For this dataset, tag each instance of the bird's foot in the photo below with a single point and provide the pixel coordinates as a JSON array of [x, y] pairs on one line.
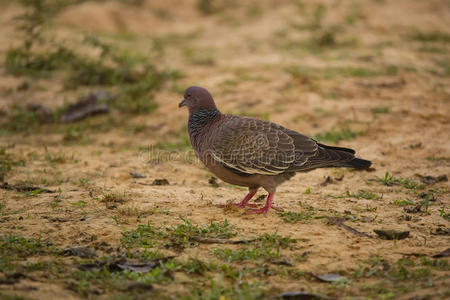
[[262, 210], [244, 201], [266, 207], [244, 204]]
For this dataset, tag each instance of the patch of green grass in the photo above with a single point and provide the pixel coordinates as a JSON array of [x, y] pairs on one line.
[[114, 198], [75, 134], [89, 72], [216, 290], [145, 236], [380, 110], [21, 119], [186, 231], [14, 246], [335, 136], [314, 17], [266, 247], [88, 283], [7, 161], [438, 158], [379, 290], [84, 71], [444, 65], [242, 75], [320, 36], [206, 6], [8, 296], [427, 198], [83, 182], [334, 72], [170, 40], [197, 266], [433, 36], [133, 74], [58, 157], [442, 213], [404, 269], [410, 184], [389, 180], [247, 253], [339, 72], [400, 202], [433, 50], [295, 217], [363, 194], [254, 10], [35, 192], [353, 15], [202, 56], [39, 266], [146, 255], [302, 74], [369, 208], [80, 203], [437, 264], [25, 61], [163, 14], [233, 273], [275, 240], [134, 97], [397, 278]]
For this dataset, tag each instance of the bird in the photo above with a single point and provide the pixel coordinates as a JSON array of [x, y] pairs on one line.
[[255, 153]]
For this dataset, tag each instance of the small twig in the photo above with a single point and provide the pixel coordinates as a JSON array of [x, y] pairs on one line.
[[412, 254], [340, 222], [24, 188]]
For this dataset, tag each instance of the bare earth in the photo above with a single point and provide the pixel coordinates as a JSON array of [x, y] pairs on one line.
[[256, 60]]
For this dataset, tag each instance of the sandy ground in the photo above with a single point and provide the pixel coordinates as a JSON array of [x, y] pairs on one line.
[[242, 54]]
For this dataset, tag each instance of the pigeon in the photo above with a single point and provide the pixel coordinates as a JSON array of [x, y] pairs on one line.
[[255, 153]]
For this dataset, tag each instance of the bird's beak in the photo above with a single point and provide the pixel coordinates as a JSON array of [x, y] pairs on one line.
[[182, 103]]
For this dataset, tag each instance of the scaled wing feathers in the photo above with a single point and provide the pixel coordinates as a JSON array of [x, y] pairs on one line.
[[259, 147]]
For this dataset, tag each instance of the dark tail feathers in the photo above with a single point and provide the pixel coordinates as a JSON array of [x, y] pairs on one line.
[[337, 148], [357, 163]]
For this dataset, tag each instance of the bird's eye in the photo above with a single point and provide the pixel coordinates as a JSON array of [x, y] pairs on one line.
[[188, 96]]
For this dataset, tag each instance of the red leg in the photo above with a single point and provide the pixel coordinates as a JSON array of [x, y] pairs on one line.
[[266, 207], [244, 201]]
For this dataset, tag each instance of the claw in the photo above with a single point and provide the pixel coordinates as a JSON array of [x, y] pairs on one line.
[[266, 207], [261, 210], [244, 201]]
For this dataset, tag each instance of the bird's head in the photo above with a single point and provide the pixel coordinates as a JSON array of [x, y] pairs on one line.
[[196, 98]]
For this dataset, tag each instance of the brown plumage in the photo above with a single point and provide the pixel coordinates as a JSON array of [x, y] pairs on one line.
[[255, 153]]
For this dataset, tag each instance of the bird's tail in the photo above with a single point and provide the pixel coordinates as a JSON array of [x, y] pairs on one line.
[[347, 158], [357, 163]]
